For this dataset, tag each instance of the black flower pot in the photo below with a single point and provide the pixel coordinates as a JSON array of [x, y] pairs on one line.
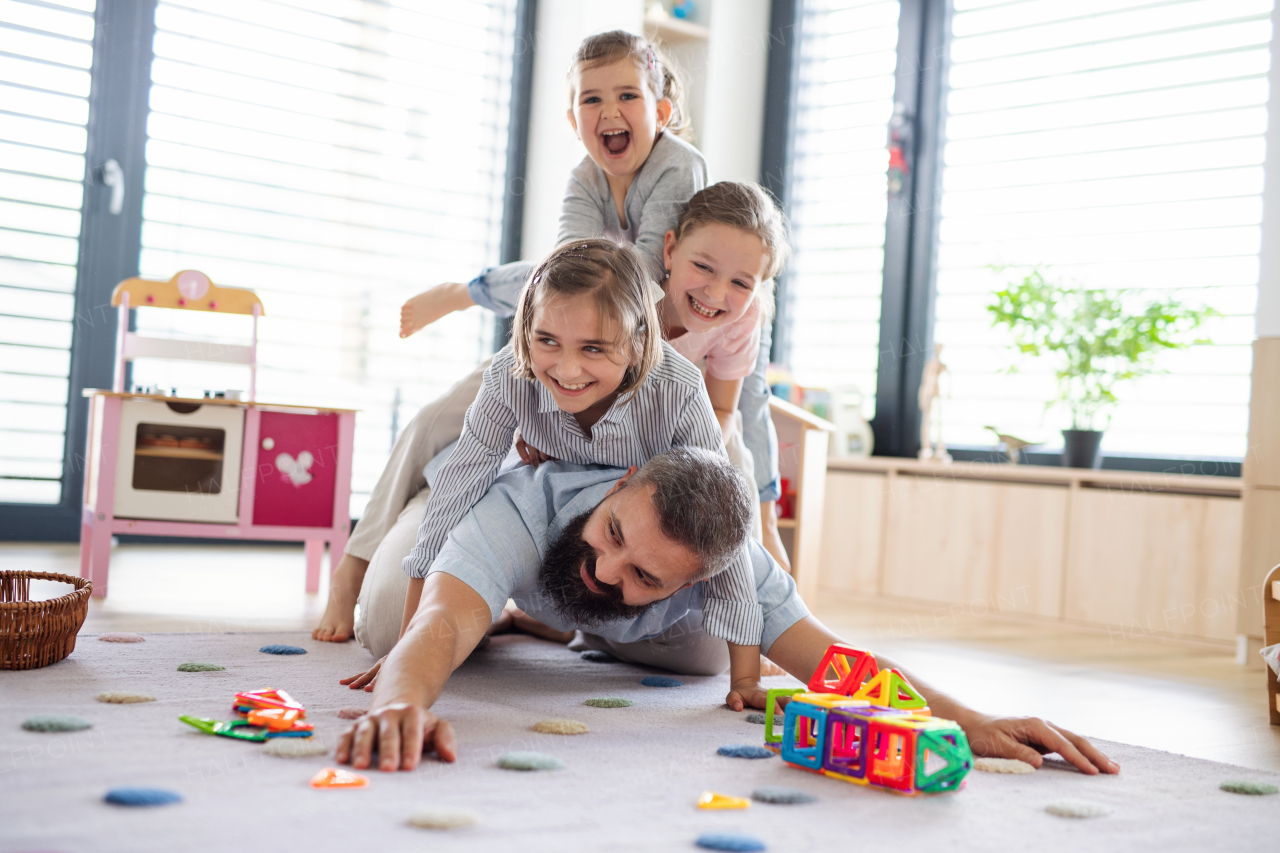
[[1081, 448]]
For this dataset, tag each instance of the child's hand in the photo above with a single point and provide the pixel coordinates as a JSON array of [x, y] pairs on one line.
[[430, 305], [364, 679], [746, 693], [529, 454]]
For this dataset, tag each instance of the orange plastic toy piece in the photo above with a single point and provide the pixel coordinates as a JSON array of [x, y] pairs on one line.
[[331, 777], [279, 719], [850, 666], [270, 698]]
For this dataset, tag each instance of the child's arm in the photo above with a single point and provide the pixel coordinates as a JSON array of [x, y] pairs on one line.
[[724, 401], [744, 678]]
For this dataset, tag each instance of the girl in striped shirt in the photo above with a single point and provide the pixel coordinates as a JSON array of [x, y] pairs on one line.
[[589, 379]]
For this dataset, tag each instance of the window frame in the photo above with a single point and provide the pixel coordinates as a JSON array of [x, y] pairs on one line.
[[111, 245], [909, 287]]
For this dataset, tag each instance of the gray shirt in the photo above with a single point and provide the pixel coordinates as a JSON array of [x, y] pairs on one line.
[[670, 176], [498, 548]]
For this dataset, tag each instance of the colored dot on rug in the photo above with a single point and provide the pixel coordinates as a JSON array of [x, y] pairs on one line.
[[351, 713], [609, 702], [200, 667], [294, 747], [529, 761], [55, 723], [1241, 786], [730, 841], [1002, 765], [122, 638], [782, 795], [117, 697], [279, 649], [1077, 808], [561, 727], [661, 681], [444, 818], [597, 656], [758, 719], [142, 797], [744, 750]]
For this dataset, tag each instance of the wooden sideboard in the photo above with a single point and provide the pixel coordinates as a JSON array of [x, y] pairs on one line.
[[1138, 554]]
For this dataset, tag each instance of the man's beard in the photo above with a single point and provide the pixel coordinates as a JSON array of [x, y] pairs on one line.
[[560, 581]]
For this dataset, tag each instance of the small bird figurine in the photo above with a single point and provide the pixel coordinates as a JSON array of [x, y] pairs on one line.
[[1013, 445]]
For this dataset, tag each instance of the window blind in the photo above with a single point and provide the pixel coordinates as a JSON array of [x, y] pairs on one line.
[[1120, 144], [336, 156], [46, 50], [838, 191]]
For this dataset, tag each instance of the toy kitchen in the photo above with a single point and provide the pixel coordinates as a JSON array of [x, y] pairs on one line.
[[219, 466]]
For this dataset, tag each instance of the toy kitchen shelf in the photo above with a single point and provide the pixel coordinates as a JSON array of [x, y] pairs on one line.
[[211, 468]]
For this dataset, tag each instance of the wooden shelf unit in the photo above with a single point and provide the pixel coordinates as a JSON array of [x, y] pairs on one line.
[[1136, 553]]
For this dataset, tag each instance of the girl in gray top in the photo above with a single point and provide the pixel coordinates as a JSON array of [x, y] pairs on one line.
[[625, 106]]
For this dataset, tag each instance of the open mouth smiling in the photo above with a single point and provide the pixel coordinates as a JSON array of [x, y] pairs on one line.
[[616, 142], [704, 311], [576, 388]]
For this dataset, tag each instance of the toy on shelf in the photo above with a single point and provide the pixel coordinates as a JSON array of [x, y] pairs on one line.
[[265, 714], [868, 726], [213, 467]]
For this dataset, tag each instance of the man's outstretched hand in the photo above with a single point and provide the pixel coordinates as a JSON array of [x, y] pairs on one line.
[[400, 733], [1029, 738]]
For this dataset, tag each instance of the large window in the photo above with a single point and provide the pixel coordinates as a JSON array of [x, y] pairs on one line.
[[837, 191], [1116, 144], [46, 51], [336, 158], [1120, 144]]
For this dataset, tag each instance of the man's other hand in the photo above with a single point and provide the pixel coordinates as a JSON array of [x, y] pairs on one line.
[[400, 733], [1029, 738]]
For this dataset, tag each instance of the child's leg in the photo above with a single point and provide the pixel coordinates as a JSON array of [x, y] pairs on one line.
[[385, 585], [435, 427]]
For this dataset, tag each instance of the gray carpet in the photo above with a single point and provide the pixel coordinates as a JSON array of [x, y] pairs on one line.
[[630, 784]]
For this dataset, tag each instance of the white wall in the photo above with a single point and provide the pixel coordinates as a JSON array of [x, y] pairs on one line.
[[733, 110], [1268, 317], [553, 149]]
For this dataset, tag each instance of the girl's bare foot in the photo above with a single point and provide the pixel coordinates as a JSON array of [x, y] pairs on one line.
[[430, 305], [337, 625]]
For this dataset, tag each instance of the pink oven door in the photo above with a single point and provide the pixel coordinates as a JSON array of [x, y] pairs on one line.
[[297, 470]]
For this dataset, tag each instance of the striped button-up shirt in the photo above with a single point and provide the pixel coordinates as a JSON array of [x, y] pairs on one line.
[[669, 409]]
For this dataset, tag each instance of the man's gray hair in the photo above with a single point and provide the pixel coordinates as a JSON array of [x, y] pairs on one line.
[[703, 503]]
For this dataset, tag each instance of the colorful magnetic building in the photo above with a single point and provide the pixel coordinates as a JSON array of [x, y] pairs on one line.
[[863, 725]]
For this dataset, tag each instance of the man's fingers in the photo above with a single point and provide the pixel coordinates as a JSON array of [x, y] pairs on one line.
[[389, 740], [412, 733], [362, 747], [1091, 752], [343, 753], [445, 742], [1053, 740]]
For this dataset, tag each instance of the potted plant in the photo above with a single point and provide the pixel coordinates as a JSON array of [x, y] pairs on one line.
[[1095, 339]]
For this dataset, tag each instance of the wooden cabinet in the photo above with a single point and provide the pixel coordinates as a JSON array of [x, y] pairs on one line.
[[1134, 553], [985, 546]]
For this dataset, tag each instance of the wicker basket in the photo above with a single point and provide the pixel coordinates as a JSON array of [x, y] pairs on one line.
[[37, 633]]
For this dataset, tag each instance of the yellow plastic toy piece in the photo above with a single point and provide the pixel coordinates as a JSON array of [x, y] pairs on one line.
[[830, 700], [890, 689], [712, 800]]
